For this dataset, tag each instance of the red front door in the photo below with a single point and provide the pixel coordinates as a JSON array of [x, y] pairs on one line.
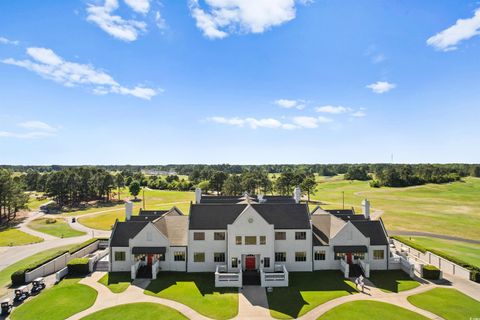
[[250, 263], [349, 258], [149, 259]]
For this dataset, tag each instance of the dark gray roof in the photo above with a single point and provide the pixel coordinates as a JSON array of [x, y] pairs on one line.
[[152, 212], [143, 218], [237, 199], [372, 229], [124, 231], [349, 249], [218, 216]]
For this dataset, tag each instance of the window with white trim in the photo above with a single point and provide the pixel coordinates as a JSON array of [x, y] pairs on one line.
[[219, 257], [199, 257], [378, 254], [179, 256], [300, 256], [320, 255]]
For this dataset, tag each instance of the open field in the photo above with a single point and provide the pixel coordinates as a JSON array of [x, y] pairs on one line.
[[450, 209], [155, 200], [307, 290], [449, 304], [468, 252], [7, 272], [196, 290], [33, 203], [134, 311], [57, 303], [59, 228], [15, 237], [369, 310]]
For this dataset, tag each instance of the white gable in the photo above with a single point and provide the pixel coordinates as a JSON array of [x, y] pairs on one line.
[[349, 236], [149, 236], [250, 220]]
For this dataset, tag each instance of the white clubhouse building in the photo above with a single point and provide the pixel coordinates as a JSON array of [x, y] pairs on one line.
[[248, 240]]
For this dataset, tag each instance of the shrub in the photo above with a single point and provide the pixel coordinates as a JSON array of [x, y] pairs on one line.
[[50, 221], [430, 272], [18, 277], [78, 266]]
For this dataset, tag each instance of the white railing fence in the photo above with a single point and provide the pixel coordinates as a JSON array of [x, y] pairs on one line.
[[365, 267], [345, 268], [278, 278], [155, 268], [134, 269], [227, 279]]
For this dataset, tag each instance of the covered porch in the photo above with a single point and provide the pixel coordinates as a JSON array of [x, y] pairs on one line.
[[351, 258], [147, 261]]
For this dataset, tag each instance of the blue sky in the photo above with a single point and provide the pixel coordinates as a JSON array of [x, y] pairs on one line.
[[215, 81]]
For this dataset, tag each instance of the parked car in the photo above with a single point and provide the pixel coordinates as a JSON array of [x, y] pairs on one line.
[[21, 293], [38, 285], [6, 307]]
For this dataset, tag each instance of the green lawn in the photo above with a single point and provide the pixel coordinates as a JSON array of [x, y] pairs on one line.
[[155, 200], [196, 290], [369, 310], [59, 302], [392, 280], [451, 209], [117, 282], [449, 304], [467, 252], [15, 237], [34, 201], [59, 229], [307, 290], [134, 311], [7, 272]]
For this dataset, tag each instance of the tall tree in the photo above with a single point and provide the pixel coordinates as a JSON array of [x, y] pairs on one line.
[[119, 182], [309, 186], [232, 185], [134, 189], [12, 196]]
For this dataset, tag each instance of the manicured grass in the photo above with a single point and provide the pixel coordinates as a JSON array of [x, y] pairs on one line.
[[307, 290], [155, 200], [392, 280], [59, 302], [7, 272], [134, 311], [15, 237], [370, 310], [117, 282], [449, 304], [59, 229], [34, 203], [196, 290], [451, 209], [468, 252]]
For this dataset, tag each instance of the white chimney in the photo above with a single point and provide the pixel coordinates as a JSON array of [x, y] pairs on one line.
[[128, 210], [366, 208], [198, 195], [297, 194]]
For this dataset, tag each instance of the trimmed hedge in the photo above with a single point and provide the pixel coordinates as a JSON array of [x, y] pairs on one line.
[[430, 272], [18, 277], [78, 266], [474, 270]]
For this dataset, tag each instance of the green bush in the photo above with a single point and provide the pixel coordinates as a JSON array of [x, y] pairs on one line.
[[18, 277], [78, 266], [430, 272], [50, 221]]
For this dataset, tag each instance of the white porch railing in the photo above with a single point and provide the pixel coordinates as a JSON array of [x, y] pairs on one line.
[[227, 279], [278, 278], [134, 270], [155, 269], [345, 268], [365, 267]]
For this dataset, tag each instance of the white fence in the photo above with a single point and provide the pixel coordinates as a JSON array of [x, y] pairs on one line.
[[134, 269], [345, 268], [225, 279], [279, 278], [155, 268], [419, 258], [61, 274], [365, 267], [59, 263]]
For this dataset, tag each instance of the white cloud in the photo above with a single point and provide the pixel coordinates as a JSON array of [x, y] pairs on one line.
[[116, 26], [333, 109], [288, 104], [224, 17], [359, 114], [49, 65], [35, 129], [463, 29], [306, 122], [160, 21], [140, 6], [253, 123], [7, 41], [374, 54], [37, 125], [381, 86]]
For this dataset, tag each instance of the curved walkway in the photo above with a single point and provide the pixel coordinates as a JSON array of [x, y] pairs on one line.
[[133, 294]]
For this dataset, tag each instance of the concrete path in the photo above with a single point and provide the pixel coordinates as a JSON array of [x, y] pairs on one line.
[[133, 294], [252, 303]]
